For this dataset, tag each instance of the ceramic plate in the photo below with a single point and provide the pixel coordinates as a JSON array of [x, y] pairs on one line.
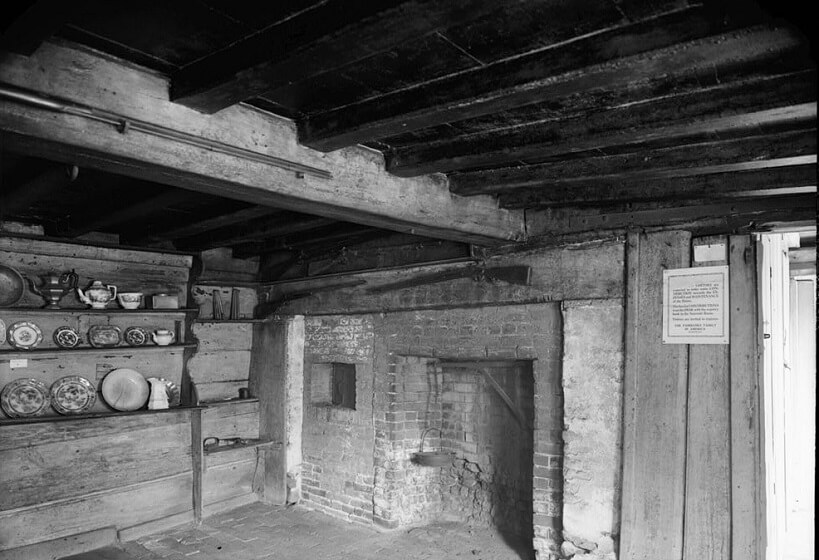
[[125, 389], [2, 332], [66, 337], [171, 389], [22, 398], [11, 286], [25, 335], [104, 336], [136, 336], [73, 394]]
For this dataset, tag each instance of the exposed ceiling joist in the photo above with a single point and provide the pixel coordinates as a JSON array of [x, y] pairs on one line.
[[719, 112], [19, 197], [325, 36], [759, 182], [720, 215], [39, 21], [695, 159], [202, 226], [257, 230], [617, 57]]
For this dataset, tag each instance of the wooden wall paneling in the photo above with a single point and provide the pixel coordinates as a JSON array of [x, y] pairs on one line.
[[228, 475], [235, 419], [708, 453], [125, 506], [44, 473], [655, 393], [746, 451], [267, 382], [62, 547]]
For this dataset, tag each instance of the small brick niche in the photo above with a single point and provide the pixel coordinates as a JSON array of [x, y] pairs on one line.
[[333, 384]]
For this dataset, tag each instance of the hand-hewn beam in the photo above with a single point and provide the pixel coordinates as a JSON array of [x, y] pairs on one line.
[[202, 226], [276, 227], [19, 197], [730, 110], [612, 58], [323, 37], [758, 152], [718, 216], [358, 188], [101, 220], [596, 192]]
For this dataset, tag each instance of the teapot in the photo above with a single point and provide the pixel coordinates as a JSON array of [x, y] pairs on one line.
[[53, 286], [162, 337], [98, 295]]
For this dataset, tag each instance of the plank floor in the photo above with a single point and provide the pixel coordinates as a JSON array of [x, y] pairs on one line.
[[262, 532]]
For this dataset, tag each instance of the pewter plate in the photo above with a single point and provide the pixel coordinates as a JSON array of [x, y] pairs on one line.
[[12, 286]]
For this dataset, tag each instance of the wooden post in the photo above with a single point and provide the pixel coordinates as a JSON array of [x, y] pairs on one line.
[[746, 453], [197, 462], [277, 356], [708, 462], [654, 419]]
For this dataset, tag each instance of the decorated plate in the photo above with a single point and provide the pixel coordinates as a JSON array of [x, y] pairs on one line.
[[171, 389], [66, 337], [22, 398], [73, 394], [104, 336], [2, 332], [125, 389], [25, 335], [136, 336]]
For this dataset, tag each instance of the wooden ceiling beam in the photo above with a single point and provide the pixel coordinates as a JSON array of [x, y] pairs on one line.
[[718, 216], [748, 183], [730, 110], [679, 43], [18, 198], [107, 96], [279, 226], [323, 37], [202, 226], [101, 219], [757, 152]]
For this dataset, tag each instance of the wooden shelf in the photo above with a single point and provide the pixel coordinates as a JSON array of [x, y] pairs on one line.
[[53, 352], [248, 445], [92, 416], [89, 311], [199, 321]]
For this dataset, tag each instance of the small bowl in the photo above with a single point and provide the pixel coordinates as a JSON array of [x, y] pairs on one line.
[[129, 300]]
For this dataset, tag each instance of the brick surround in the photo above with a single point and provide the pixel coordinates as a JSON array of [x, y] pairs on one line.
[[357, 462]]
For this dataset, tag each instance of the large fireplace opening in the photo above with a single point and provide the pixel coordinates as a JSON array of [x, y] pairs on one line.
[[487, 415]]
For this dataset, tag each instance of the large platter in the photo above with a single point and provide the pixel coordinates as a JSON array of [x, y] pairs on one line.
[[125, 389], [25, 335], [104, 336], [12, 286], [73, 394], [23, 398]]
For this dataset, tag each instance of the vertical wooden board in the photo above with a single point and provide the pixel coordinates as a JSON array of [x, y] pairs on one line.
[[708, 462], [267, 382], [746, 453], [126, 507], [197, 463], [655, 392]]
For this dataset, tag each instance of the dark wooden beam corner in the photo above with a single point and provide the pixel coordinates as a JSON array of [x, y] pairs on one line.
[[324, 37], [25, 31]]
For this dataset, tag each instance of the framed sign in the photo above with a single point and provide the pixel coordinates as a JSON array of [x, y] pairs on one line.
[[695, 305]]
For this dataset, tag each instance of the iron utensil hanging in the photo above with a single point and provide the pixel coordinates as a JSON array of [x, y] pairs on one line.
[[438, 458]]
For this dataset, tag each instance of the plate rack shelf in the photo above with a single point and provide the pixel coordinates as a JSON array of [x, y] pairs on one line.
[[124, 350]]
